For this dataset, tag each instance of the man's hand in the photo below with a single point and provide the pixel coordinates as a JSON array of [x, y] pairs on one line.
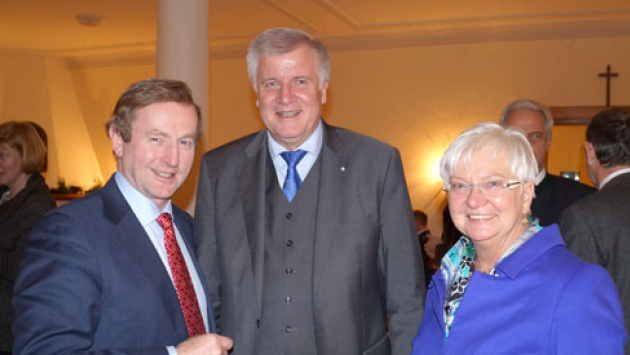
[[206, 344]]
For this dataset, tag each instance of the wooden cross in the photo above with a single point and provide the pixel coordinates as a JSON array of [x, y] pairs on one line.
[[608, 75]]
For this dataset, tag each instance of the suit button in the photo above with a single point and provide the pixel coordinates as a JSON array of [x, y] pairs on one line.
[[289, 299], [288, 329], [258, 323], [289, 243], [289, 215], [288, 271]]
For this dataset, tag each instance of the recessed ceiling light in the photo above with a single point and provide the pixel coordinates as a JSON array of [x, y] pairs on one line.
[[89, 20]]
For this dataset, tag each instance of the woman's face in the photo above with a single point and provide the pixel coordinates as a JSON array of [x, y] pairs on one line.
[[10, 166], [493, 216]]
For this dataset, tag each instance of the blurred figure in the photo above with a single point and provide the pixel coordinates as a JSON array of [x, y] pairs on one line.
[[24, 198], [552, 193], [597, 228], [427, 242], [508, 286], [450, 235]]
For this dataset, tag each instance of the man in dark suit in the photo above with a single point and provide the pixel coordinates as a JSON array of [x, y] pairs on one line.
[[597, 228], [552, 193], [115, 271], [314, 270]]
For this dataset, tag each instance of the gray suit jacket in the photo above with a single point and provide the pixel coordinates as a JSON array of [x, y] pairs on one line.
[[366, 258], [597, 229]]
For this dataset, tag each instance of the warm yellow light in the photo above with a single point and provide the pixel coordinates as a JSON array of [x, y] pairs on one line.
[[434, 168]]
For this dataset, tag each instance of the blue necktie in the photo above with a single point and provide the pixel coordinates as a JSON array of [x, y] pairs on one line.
[[292, 182]]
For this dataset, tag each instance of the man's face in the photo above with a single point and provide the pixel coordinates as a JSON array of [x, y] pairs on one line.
[[289, 95], [157, 159], [533, 124]]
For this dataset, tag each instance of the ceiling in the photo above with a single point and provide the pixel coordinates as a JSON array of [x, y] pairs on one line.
[[50, 25]]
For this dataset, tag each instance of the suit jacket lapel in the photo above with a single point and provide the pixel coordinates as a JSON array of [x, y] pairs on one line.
[[253, 183], [134, 242], [332, 184]]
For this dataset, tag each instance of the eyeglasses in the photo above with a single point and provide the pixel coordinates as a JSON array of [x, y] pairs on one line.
[[486, 188]]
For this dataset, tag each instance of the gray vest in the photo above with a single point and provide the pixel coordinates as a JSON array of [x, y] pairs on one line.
[[287, 314]]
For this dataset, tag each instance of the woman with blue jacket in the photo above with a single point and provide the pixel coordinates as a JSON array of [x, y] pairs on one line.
[[509, 286]]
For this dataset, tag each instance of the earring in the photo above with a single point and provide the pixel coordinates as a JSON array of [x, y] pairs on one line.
[[525, 221]]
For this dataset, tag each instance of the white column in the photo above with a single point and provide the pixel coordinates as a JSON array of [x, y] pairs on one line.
[[182, 49], [182, 54]]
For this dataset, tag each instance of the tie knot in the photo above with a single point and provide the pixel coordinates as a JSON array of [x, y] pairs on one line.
[[293, 157], [164, 220]]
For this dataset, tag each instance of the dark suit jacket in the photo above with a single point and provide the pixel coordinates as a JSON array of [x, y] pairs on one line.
[[17, 217], [597, 229], [366, 260], [554, 194], [91, 282]]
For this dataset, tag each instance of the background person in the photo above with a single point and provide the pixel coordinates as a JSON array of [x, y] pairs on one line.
[[319, 269], [115, 271], [24, 199], [450, 236], [508, 286], [597, 228], [427, 242], [552, 193]]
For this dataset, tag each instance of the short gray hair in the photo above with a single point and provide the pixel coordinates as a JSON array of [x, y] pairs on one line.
[[530, 105], [511, 141], [277, 41]]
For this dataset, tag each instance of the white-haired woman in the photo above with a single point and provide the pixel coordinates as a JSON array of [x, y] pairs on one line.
[[509, 286]]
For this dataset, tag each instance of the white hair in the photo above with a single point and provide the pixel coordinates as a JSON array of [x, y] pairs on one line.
[[508, 141], [530, 105], [277, 41]]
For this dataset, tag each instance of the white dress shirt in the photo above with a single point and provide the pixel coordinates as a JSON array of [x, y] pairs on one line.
[[312, 146], [612, 176], [147, 213]]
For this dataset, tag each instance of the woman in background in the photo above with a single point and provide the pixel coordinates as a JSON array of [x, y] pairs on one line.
[[24, 199], [508, 286]]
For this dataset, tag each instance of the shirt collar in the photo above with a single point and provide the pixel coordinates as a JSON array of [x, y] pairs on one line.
[[313, 144], [539, 178], [612, 176], [145, 210]]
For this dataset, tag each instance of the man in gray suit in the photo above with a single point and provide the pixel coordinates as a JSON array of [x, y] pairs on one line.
[[306, 234], [597, 228]]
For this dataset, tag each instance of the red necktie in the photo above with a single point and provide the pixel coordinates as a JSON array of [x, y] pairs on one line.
[[181, 278]]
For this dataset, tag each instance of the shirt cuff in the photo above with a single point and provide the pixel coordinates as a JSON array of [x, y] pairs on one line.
[[171, 350]]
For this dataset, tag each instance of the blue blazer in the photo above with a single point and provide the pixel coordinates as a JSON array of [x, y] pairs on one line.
[[545, 301], [91, 282]]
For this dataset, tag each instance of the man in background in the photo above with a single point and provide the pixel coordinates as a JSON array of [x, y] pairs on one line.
[[306, 231], [115, 272], [427, 242], [552, 193], [597, 228]]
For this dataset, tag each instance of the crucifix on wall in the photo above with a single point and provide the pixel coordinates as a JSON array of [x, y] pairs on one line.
[[608, 75], [571, 115]]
